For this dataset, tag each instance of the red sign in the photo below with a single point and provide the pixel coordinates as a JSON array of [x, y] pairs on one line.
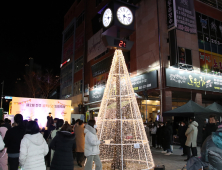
[[61, 65]]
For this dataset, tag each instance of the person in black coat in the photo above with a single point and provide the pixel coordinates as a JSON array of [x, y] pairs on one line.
[[63, 144], [49, 120], [159, 134], [7, 124], [210, 127], [12, 142], [168, 133], [182, 137]]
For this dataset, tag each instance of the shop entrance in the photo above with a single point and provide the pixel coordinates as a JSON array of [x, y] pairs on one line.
[[150, 110]]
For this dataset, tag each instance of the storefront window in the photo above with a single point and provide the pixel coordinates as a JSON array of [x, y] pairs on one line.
[[150, 109]]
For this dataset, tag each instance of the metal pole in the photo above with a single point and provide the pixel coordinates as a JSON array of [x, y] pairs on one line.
[[160, 62], [2, 92]]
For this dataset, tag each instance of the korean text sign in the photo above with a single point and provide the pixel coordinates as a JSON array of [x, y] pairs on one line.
[[32, 108], [191, 80]]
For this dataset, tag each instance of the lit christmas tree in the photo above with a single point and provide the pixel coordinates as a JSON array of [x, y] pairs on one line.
[[120, 125]]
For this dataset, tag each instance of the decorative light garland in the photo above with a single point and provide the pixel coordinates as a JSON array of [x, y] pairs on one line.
[[119, 123]]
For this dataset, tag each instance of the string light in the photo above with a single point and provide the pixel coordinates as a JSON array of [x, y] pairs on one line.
[[120, 125]]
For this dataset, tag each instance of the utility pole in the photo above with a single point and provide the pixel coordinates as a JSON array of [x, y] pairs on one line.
[[2, 92]]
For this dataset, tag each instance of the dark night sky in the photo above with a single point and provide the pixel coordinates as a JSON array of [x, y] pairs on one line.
[[30, 29]]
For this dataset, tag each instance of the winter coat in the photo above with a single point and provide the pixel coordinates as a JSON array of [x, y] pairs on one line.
[[2, 145], [63, 144], [3, 153], [80, 138], [153, 130], [91, 141], [159, 134], [191, 134], [32, 151], [168, 134], [53, 134], [211, 150], [7, 125], [13, 138], [49, 121], [210, 127], [181, 133]]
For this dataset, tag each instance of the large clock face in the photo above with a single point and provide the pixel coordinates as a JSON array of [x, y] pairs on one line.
[[107, 17], [124, 15]]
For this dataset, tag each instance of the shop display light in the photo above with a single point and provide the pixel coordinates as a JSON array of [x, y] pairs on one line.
[[120, 125]]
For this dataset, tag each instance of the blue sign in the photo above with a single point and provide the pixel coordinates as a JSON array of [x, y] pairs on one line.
[[8, 97]]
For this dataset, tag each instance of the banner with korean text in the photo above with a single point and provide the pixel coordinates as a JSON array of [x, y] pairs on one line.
[[32, 108]]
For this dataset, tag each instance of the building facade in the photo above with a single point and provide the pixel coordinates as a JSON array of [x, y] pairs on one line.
[[176, 55]]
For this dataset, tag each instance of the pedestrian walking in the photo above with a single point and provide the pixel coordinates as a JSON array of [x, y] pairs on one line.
[[12, 141], [63, 144], [33, 148], [59, 125], [191, 142], [153, 134], [3, 152], [182, 137], [92, 146], [80, 142]]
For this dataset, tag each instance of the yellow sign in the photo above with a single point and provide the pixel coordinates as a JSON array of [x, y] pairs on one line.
[[10, 108], [32, 108]]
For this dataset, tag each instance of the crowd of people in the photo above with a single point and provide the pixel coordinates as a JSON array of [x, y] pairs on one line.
[[160, 136], [26, 146]]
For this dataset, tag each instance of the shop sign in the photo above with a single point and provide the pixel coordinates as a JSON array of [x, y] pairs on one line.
[[96, 94], [190, 80], [171, 18], [144, 81], [67, 61], [181, 14]]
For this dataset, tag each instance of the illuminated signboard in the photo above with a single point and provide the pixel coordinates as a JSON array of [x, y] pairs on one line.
[[190, 80], [120, 43], [61, 65]]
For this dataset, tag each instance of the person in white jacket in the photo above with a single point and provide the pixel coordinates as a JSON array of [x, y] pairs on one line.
[[33, 148], [92, 146], [2, 144]]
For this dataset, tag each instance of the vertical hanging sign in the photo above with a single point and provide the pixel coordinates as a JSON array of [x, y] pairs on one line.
[[171, 15], [181, 14]]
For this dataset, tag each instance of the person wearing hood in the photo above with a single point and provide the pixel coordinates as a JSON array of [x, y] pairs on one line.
[[63, 144], [191, 142], [92, 146], [211, 151], [12, 141], [210, 127], [59, 125], [33, 148]]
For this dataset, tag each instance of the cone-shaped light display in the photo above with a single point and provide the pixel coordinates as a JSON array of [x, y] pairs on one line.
[[120, 125]]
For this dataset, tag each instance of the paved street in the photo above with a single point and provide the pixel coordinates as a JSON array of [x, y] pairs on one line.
[[171, 162]]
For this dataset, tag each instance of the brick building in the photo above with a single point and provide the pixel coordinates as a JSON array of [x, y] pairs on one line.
[[177, 54]]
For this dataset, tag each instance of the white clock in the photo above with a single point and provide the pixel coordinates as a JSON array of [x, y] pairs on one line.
[[107, 17], [124, 15]]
